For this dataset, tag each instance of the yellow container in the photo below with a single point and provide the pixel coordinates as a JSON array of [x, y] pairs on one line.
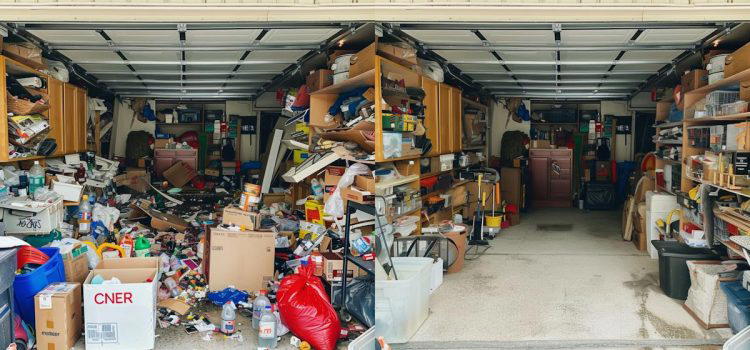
[[494, 221]]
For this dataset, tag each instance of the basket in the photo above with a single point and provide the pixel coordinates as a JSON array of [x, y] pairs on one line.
[[19, 106], [30, 255]]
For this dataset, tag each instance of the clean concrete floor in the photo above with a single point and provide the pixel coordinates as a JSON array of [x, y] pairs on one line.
[[583, 288]]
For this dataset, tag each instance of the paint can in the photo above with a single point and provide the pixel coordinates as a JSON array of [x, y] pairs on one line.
[[250, 197]]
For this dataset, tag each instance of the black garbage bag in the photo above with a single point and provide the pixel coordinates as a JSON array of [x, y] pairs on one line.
[[360, 299]]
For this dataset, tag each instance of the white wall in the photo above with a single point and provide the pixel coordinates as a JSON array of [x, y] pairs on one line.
[[623, 143], [125, 121], [498, 127]]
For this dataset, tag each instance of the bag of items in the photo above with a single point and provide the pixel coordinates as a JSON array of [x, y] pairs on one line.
[[360, 299], [305, 309]]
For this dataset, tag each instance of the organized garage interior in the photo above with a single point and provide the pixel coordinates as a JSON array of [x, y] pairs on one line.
[[374, 185]]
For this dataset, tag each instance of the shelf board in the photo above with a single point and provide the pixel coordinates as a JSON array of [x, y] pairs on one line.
[[10, 160], [185, 124], [399, 182], [416, 156], [718, 119], [669, 142], [670, 161], [734, 79], [734, 247], [745, 193], [668, 125], [364, 79]]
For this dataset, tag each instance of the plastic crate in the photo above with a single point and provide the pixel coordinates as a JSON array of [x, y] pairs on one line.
[[738, 305], [720, 97], [736, 107], [27, 285], [7, 274]]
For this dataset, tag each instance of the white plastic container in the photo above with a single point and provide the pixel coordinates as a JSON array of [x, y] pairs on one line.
[[716, 63], [740, 341], [658, 207], [365, 341], [69, 192], [437, 275], [402, 305], [339, 77], [715, 77], [341, 64], [20, 219]]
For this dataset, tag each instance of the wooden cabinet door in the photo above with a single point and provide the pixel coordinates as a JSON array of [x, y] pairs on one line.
[[431, 122], [82, 116], [560, 178], [539, 178], [56, 114], [456, 114], [444, 119], [69, 119]]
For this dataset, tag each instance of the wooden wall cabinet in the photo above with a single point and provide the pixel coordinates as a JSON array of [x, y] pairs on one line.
[[551, 177], [455, 120], [431, 122], [56, 112], [75, 115], [449, 119]]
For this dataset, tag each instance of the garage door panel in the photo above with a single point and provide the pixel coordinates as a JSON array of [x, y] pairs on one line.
[[288, 36], [445, 36], [151, 37], [519, 37], [221, 37], [82, 37]]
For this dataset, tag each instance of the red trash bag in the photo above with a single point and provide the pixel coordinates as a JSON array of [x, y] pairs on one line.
[[305, 309]]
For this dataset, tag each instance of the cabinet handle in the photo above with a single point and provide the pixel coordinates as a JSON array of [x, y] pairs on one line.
[[555, 168]]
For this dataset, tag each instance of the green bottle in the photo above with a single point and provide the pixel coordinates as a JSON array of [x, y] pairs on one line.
[[142, 247]]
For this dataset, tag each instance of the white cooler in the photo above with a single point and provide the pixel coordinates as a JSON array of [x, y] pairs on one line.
[[402, 305], [23, 216]]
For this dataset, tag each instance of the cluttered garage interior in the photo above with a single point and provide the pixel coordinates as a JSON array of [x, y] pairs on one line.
[[374, 185]]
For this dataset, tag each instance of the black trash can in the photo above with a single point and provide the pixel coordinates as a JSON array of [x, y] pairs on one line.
[[674, 277]]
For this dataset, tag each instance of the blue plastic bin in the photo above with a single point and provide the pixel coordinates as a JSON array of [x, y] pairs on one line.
[[27, 285], [738, 305]]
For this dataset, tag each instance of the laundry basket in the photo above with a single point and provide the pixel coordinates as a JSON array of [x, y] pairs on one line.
[[402, 305]]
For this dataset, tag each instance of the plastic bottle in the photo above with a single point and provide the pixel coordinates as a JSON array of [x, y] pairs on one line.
[[142, 246], [127, 244], [36, 178], [3, 189], [84, 215], [267, 329], [316, 188], [259, 304], [228, 316]]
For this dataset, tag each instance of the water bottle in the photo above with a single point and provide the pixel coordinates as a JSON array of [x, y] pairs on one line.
[[259, 304], [36, 178], [228, 317], [267, 329], [84, 216]]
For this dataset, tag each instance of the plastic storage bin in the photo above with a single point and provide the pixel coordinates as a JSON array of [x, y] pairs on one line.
[[402, 305], [366, 341], [31, 221], [740, 341], [738, 305], [7, 274], [674, 277], [27, 285]]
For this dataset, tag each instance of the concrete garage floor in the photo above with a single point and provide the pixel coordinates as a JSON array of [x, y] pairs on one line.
[[576, 289]]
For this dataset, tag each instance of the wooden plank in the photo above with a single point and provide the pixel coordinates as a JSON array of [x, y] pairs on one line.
[[69, 119], [378, 111], [56, 120], [444, 119], [364, 79], [431, 121], [3, 112]]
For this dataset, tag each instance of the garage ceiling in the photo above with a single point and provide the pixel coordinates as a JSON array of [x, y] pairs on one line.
[[183, 61], [586, 60], [221, 60]]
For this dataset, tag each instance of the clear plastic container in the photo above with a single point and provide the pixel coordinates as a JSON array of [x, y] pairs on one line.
[[736, 107], [402, 305], [720, 97], [740, 341]]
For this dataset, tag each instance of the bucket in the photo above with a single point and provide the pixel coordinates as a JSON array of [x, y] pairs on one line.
[[494, 221], [25, 286]]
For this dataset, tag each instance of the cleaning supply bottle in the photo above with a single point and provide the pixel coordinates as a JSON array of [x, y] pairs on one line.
[[259, 304], [267, 329], [142, 246], [127, 244], [228, 316], [84, 216], [36, 178]]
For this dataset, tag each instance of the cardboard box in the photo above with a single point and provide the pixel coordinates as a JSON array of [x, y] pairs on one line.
[[359, 195], [25, 53], [694, 79], [128, 263], [333, 267], [179, 174], [319, 79], [540, 144], [121, 316], [76, 267], [235, 216], [244, 259], [737, 61], [59, 316], [402, 54], [162, 143], [135, 179], [159, 221], [745, 90], [363, 61]]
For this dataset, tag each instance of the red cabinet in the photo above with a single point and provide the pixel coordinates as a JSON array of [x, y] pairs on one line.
[[551, 177]]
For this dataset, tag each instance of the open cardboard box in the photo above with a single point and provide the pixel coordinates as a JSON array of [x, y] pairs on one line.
[[361, 134], [159, 221]]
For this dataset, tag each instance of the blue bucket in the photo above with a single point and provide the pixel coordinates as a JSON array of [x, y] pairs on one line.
[[26, 286]]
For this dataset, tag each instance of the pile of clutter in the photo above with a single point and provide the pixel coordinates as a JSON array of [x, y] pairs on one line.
[[139, 257]]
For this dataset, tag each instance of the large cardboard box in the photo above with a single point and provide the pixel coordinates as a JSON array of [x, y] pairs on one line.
[[179, 174], [737, 61], [235, 216], [694, 79], [76, 266], [59, 316], [243, 259], [25, 53], [135, 179], [121, 316], [128, 263], [333, 267], [319, 79], [402, 54]]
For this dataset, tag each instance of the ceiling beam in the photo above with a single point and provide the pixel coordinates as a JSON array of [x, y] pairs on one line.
[[189, 63], [470, 47], [253, 47], [172, 25], [556, 88], [180, 81], [551, 81], [564, 63], [187, 95], [551, 72], [176, 72], [182, 88]]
